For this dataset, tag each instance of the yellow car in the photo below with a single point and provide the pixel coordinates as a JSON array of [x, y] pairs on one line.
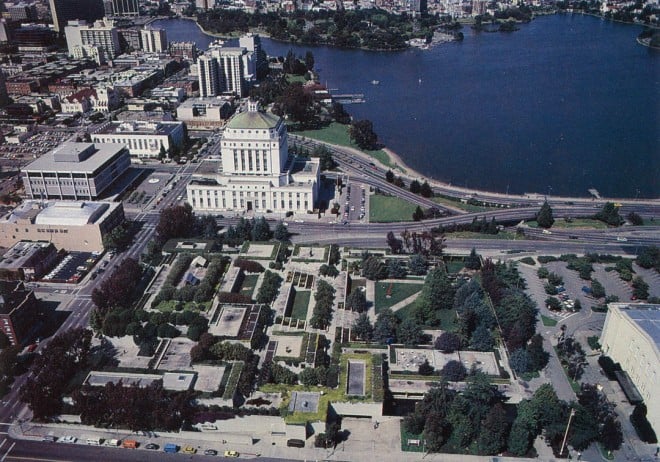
[[231, 454], [189, 450]]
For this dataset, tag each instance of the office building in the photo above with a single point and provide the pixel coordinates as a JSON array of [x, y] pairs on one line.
[[257, 174], [27, 261], [631, 337], [184, 50], [143, 139], [205, 113], [75, 171], [19, 309], [121, 7], [64, 11], [153, 40], [227, 70], [98, 41], [70, 225], [22, 12]]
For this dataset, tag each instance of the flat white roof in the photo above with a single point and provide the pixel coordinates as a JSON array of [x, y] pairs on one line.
[[71, 213]]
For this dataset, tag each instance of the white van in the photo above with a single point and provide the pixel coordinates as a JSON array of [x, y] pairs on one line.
[[114, 443], [94, 441]]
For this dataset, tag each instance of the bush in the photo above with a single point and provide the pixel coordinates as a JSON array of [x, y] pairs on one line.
[[249, 266], [609, 366], [641, 424], [553, 304], [542, 273], [597, 289], [528, 261], [269, 287], [550, 289], [230, 297], [546, 259], [555, 279]]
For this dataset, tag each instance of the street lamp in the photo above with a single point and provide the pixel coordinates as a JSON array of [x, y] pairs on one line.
[[568, 426]]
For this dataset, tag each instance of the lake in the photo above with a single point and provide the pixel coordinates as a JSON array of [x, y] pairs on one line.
[[567, 103]]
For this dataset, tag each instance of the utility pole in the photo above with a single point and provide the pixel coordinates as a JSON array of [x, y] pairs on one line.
[[568, 426]]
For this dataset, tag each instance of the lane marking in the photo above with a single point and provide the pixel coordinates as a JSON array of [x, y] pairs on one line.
[[8, 451]]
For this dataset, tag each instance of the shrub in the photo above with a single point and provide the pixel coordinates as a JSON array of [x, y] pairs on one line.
[[542, 272], [546, 259], [528, 261], [230, 297], [641, 424], [609, 366], [550, 289], [249, 266], [553, 304]]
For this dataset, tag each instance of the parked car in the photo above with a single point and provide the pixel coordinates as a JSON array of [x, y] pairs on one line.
[[68, 439], [151, 446], [210, 452], [231, 454], [189, 450]]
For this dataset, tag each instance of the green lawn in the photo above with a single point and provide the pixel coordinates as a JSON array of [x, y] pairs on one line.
[[548, 322], [574, 223], [247, 288], [336, 133], [300, 304], [448, 319], [400, 291], [502, 235], [405, 436], [460, 205], [386, 209]]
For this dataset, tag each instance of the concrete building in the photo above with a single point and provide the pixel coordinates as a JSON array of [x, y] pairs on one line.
[[22, 11], [70, 225], [226, 70], [258, 174], [27, 261], [75, 171], [98, 41], [205, 113], [121, 7], [184, 50], [153, 40], [18, 311], [143, 139], [62, 11], [631, 337]]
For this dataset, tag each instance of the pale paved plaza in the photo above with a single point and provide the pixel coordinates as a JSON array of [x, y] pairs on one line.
[[259, 250], [311, 253], [288, 345]]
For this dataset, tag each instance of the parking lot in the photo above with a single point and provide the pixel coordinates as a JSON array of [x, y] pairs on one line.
[[73, 267], [36, 145]]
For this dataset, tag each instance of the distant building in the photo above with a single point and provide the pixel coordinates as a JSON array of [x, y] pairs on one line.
[[154, 40], [98, 41], [184, 50], [69, 225], [121, 7], [27, 261], [75, 171], [18, 311], [205, 113], [143, 139], [228, 70], [631, 337], [64, 11], [204, 4], [23, 12], [258, 174], [34, 38]]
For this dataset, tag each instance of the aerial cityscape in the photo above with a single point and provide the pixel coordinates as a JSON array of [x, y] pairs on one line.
[[329, 230]]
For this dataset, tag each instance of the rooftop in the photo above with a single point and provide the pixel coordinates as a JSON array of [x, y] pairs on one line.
[[75, 157], [140, 128], [20, 253], [647, 317], [76, 213], [253, 119]]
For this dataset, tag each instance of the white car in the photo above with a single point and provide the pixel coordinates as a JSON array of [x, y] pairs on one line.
[[622, 239], [68, 439]]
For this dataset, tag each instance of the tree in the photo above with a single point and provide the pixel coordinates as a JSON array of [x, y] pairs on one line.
[[609, 214], [385, 327], [447, 342], [362, 328], [417, 265], [410, 333], [415, 187], [260, 229], [435, 432], [635, 219], [281, 232], [393, 243], [389, 176], [473, 261], [395, 269], [482, 338], [356, 300], [538, 357], [308, 377], [362, 133], [162, 154], [544, 218], [309, 60], [611, 436], [119, 238], [524, 429], [640, 288], [374, 269], [425, 190], [418, 214], [642, 425], [175, 221], [519, 361], [454, 371], [4, 340], [494, 429], [425, 368], [597, 289], [437, 294]]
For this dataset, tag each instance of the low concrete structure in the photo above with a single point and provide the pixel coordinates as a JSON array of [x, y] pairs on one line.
[[27, 261], [18, 311], [70, 225], [171, 381]]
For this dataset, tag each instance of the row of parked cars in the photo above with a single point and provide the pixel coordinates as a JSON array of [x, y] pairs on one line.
[[132, 444]]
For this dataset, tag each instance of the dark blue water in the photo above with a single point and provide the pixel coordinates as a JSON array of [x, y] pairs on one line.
[[567, 103]]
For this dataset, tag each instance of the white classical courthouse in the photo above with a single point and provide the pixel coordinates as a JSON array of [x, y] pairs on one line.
[[257, 172]]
